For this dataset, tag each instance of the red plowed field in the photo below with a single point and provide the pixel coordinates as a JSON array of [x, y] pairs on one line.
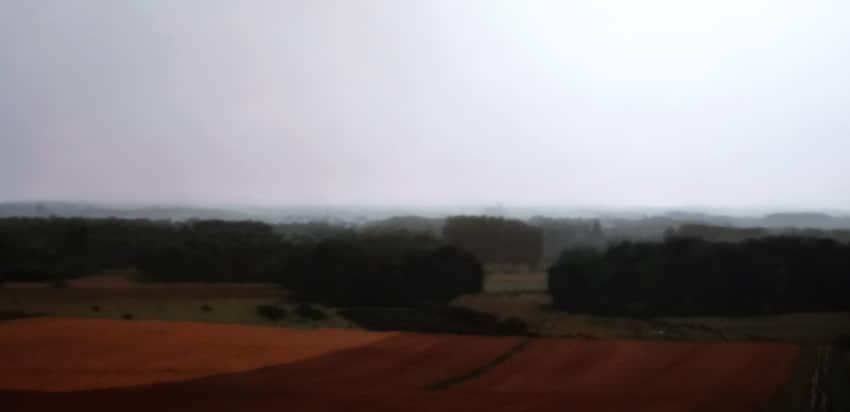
[[399, 372], [408, 361], [717, 376], [74, 354]]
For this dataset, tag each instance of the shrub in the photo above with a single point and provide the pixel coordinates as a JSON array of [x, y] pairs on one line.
[[95, 308], [306, 311], [206, 308], [271, 312], [127, 316], [434, 319]]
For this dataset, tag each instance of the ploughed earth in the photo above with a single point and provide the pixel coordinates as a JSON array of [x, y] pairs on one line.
[[130, 365]]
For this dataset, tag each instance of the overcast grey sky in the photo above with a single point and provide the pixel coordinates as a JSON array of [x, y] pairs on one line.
[[613, 103]]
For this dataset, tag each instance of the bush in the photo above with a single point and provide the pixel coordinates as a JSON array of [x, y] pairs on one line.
[[433, 319], [127, 316], [271, 312], [95, 308], [309, 312], [206, 308]]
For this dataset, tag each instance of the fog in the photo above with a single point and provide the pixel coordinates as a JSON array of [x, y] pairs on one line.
[[427, 103]]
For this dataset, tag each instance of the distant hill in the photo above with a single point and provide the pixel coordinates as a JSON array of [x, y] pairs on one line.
[[58, 209], [180, 213], [710, 219], [799, 220], [417, 224], [647, 225], [806, 220]]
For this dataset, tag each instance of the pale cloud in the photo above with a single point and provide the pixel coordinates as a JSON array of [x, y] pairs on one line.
[[614, 103]]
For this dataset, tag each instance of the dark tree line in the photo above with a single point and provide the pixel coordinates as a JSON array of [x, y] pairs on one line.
[[346, 267], [687, 276], [496, 240], [739, 234], [33, 249], [215, 251], [50, 249], [313, 231], [718, 233], [375, 273]]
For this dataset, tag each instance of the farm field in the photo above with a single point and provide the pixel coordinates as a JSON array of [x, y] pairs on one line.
[[81, 354], [117, 297], [506, 295], [516, 283], [534, 309], [180, 366]]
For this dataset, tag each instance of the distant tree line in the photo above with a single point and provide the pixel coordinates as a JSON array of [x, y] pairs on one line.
[[739, 234], [35, 249], [215, 251], [495, 240], [336, 267], [319, 262], [563, 233], [688, 276], [718, 233], [313, 231], [378, 272]]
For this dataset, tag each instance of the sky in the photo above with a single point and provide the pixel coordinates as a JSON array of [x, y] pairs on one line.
[[720, 103]]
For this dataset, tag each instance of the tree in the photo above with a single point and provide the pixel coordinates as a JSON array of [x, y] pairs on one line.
[[496, 240]]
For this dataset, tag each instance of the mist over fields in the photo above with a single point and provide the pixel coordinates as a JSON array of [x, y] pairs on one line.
[[353, 215]]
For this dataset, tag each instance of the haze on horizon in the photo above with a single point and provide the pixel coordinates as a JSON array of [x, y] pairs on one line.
[[610, 103]]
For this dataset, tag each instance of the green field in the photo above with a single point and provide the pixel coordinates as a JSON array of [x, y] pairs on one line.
[[515, 283], [520, 296], [534, 309], [215, 307], [506, 296]]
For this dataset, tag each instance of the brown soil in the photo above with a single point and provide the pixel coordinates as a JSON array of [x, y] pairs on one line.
[[695, 375], [393, 373], [74, 354], [404, 362]]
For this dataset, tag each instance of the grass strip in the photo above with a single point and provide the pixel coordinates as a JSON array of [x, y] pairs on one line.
[[16, 314]]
